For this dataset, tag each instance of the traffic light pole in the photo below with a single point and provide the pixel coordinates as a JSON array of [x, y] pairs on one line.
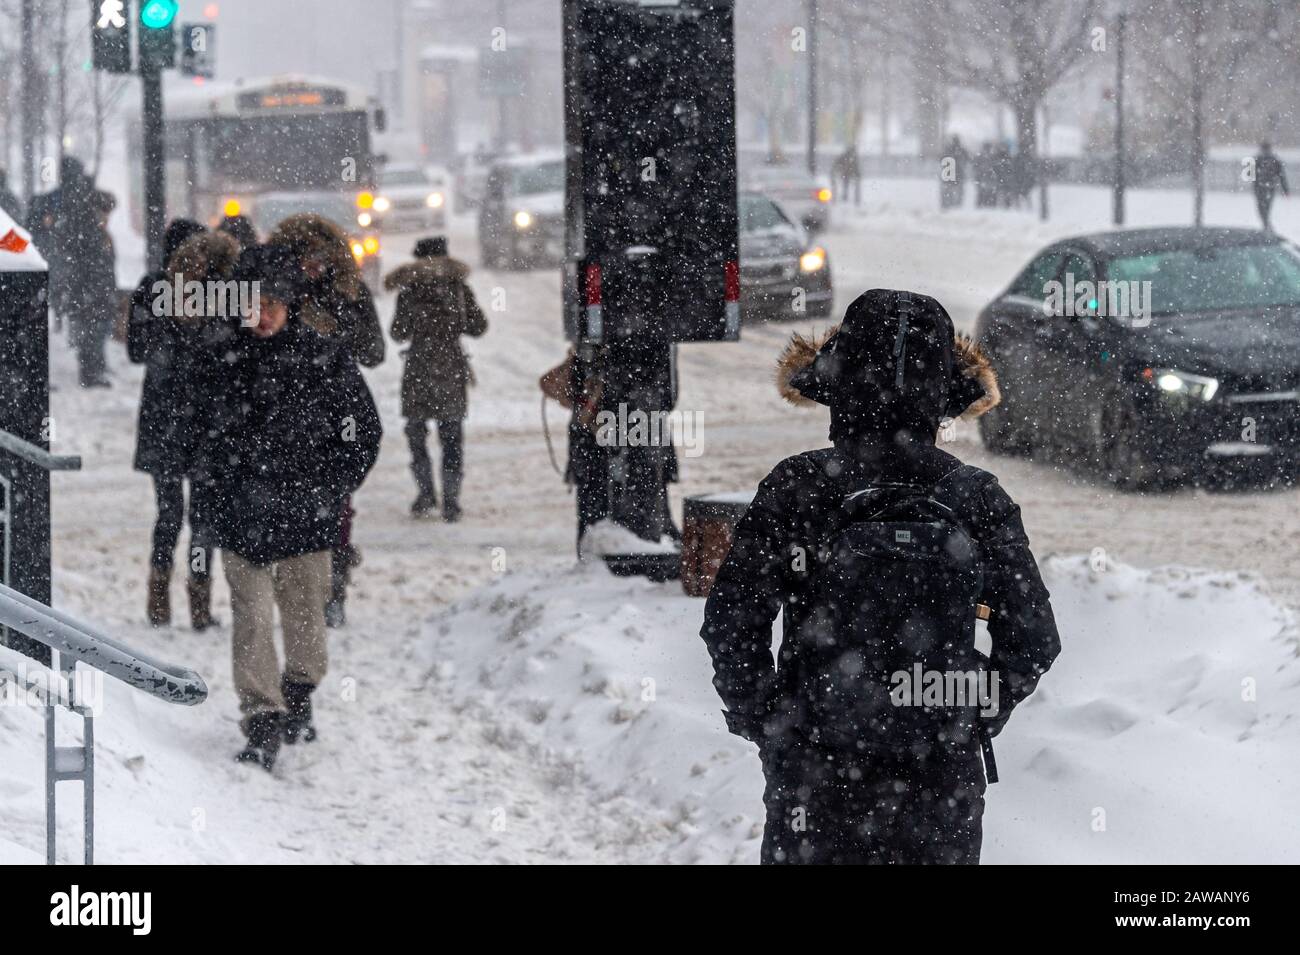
[[155, 186]]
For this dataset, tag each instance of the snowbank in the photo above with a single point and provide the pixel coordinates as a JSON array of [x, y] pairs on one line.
[[1139, 748]]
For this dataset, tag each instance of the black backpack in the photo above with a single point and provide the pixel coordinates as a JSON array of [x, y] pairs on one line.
[[894, 597]]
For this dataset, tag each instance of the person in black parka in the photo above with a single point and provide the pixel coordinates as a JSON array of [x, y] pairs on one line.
[[166, 432], [877, 802], [294, 432]]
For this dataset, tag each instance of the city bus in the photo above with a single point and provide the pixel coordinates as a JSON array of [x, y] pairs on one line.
[[267, 147]]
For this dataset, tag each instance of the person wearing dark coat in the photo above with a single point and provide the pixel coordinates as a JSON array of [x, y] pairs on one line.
[[878, 800], [294, 433], [175, 351], [336, 303], [435, 307], [1270, 176], [89, 287]]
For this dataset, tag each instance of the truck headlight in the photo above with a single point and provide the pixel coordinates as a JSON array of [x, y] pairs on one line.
[[1172, 382], [523, 219], [434, 200], [813, 260]]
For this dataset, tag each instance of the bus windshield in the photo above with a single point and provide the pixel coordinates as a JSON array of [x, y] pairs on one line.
[[289, 151]]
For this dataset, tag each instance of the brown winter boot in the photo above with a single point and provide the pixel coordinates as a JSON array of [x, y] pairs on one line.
[[200, 592], [159, 609]]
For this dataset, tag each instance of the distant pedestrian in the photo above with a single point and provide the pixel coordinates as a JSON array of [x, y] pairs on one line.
[[1270, 176], [239, 228], [294, 432], [337, 304], [435, 307], [985, 172], [180, 361], [8, 201], [89, 290], [952, 185], [878, 553], [846, 173]]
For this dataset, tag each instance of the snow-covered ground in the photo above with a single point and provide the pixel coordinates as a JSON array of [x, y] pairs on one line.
[[485, 702]]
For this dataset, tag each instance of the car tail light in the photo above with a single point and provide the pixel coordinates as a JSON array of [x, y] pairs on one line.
[[595, 329]]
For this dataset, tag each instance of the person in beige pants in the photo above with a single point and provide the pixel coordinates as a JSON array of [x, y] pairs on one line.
[[294, 432]]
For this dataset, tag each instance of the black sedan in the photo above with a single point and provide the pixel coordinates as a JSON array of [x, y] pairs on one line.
[[781, 274], [1151, 354]]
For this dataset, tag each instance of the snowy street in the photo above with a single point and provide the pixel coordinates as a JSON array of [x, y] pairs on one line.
[[486, 701]]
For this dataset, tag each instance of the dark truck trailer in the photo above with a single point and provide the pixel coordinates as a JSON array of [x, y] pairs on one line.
[[651, 242]]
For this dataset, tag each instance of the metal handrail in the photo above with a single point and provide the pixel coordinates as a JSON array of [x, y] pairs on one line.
[[86, 644], [38, 455]]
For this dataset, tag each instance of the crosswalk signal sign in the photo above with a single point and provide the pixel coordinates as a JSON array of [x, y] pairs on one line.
[[110, 36]]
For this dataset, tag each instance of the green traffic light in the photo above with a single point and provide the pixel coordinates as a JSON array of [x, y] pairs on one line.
[[159, 14]]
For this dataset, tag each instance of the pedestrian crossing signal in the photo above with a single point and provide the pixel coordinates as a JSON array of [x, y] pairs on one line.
[[110, 36]]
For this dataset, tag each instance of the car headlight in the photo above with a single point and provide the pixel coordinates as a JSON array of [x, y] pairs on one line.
[[1172, 382], [523, 219], [434, 201], [370, 245], [823, 195], [813, 260], [358, 251], [365, 200], [382, 204], [364, 220]]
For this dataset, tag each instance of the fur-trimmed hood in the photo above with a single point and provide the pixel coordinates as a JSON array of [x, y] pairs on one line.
[[206, 255], [856, 372], [438, 270], [308, 235]]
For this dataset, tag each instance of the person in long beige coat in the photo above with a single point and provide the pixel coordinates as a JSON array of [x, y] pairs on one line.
[[435, 307]]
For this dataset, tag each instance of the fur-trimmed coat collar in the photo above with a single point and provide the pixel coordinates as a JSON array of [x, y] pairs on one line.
[[970, 361], [438, 270]]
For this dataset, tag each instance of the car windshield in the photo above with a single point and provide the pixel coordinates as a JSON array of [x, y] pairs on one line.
[[758, 215], [1214, 279], [270, 212], [404, 177], [531, 180]]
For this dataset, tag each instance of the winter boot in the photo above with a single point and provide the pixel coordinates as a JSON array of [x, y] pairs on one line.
[[159, 608], [200, 592], [264, 731], [451, 496], [340, 571], [427, 499], [297, 703]]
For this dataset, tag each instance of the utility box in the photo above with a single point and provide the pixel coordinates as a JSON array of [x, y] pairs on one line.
[[650, 127], [24, 414]]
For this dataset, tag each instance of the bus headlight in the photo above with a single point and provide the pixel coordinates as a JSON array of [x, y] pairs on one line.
[[813, 260], [523, 219], [434, 201], [382, 204]]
